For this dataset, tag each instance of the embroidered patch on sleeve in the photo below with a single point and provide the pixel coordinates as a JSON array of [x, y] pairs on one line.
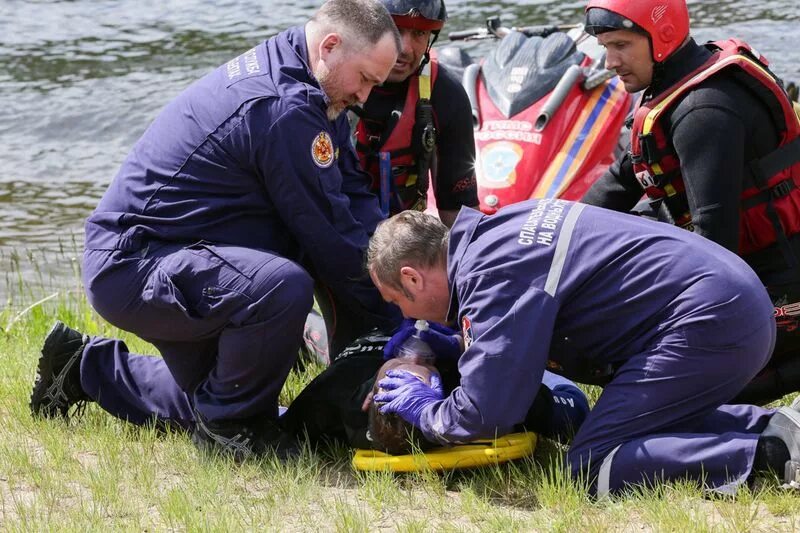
[[322, 150], [466, 331]]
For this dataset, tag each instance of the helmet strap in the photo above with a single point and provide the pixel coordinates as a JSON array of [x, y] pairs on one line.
[[426, 57]]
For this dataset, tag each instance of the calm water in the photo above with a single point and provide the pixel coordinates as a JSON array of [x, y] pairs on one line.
[[80, 81]]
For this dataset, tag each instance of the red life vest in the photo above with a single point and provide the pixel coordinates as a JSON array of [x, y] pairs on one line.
[[770, 209], [400, 144]]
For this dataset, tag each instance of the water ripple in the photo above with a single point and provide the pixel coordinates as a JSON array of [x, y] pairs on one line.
[[80, 80]]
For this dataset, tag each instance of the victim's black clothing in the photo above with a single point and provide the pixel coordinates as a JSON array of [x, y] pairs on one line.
[[329, 408]]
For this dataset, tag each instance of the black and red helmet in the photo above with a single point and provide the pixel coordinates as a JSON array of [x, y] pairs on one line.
[[426, 15], [666, 22]]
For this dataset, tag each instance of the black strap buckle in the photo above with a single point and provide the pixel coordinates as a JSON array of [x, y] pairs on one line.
[[782, 189], [428, 138], [650, 152]]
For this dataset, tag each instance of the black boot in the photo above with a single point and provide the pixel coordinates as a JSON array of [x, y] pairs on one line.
[[243, 439], [778, 448], [58, 377], [771, 456]]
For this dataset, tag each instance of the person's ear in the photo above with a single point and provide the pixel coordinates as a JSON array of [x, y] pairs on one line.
[[328, 45], [412, 279]]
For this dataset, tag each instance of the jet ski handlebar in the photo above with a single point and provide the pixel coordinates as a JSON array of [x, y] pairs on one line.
[[494, 30]]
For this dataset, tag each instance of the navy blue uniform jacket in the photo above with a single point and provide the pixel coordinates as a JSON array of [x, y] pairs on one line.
[[246, 156], [551, 279]]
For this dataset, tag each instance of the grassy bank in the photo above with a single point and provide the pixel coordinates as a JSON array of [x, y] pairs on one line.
[[97, 473]]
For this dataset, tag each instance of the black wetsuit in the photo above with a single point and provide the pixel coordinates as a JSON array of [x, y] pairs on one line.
[[455, 144], [715, 129]]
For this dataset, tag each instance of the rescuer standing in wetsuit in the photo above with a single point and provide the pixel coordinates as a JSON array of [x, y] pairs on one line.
[[419, 121], [715, 147]]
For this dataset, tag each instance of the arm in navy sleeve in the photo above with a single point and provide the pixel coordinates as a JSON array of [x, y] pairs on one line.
[[617, 189], [312, 203], [355, 182], [502, 369], [709, 141]]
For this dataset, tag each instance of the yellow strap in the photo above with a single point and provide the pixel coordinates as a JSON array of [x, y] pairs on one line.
[[479, 453], [652, 116], [425, 82]]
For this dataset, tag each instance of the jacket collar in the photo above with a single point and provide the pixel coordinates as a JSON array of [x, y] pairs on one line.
[[294, 59]]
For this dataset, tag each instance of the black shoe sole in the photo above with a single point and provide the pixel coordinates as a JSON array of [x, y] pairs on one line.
[[241, 446], [46, 400]]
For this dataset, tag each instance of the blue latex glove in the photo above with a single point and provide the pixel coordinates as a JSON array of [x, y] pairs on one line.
[[407, 395], [404, 331], [445, 342]]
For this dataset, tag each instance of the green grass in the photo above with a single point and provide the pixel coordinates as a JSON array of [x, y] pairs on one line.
[[97, 473]]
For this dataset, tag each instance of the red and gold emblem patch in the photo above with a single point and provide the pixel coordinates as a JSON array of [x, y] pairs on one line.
[[466, 331], [322, 150]]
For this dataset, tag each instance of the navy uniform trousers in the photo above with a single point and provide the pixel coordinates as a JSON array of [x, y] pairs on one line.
[[227, 320], [684, 323], [662, 416]]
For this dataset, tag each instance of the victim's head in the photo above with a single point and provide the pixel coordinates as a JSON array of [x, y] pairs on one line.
[[389, 432]]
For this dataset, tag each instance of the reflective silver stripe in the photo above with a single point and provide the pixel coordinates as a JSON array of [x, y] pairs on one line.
[[560, 255], [604, 477], [437, 428]]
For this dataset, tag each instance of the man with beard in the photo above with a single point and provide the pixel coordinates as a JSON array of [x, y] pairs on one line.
[[414, 133], [241, 194]]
